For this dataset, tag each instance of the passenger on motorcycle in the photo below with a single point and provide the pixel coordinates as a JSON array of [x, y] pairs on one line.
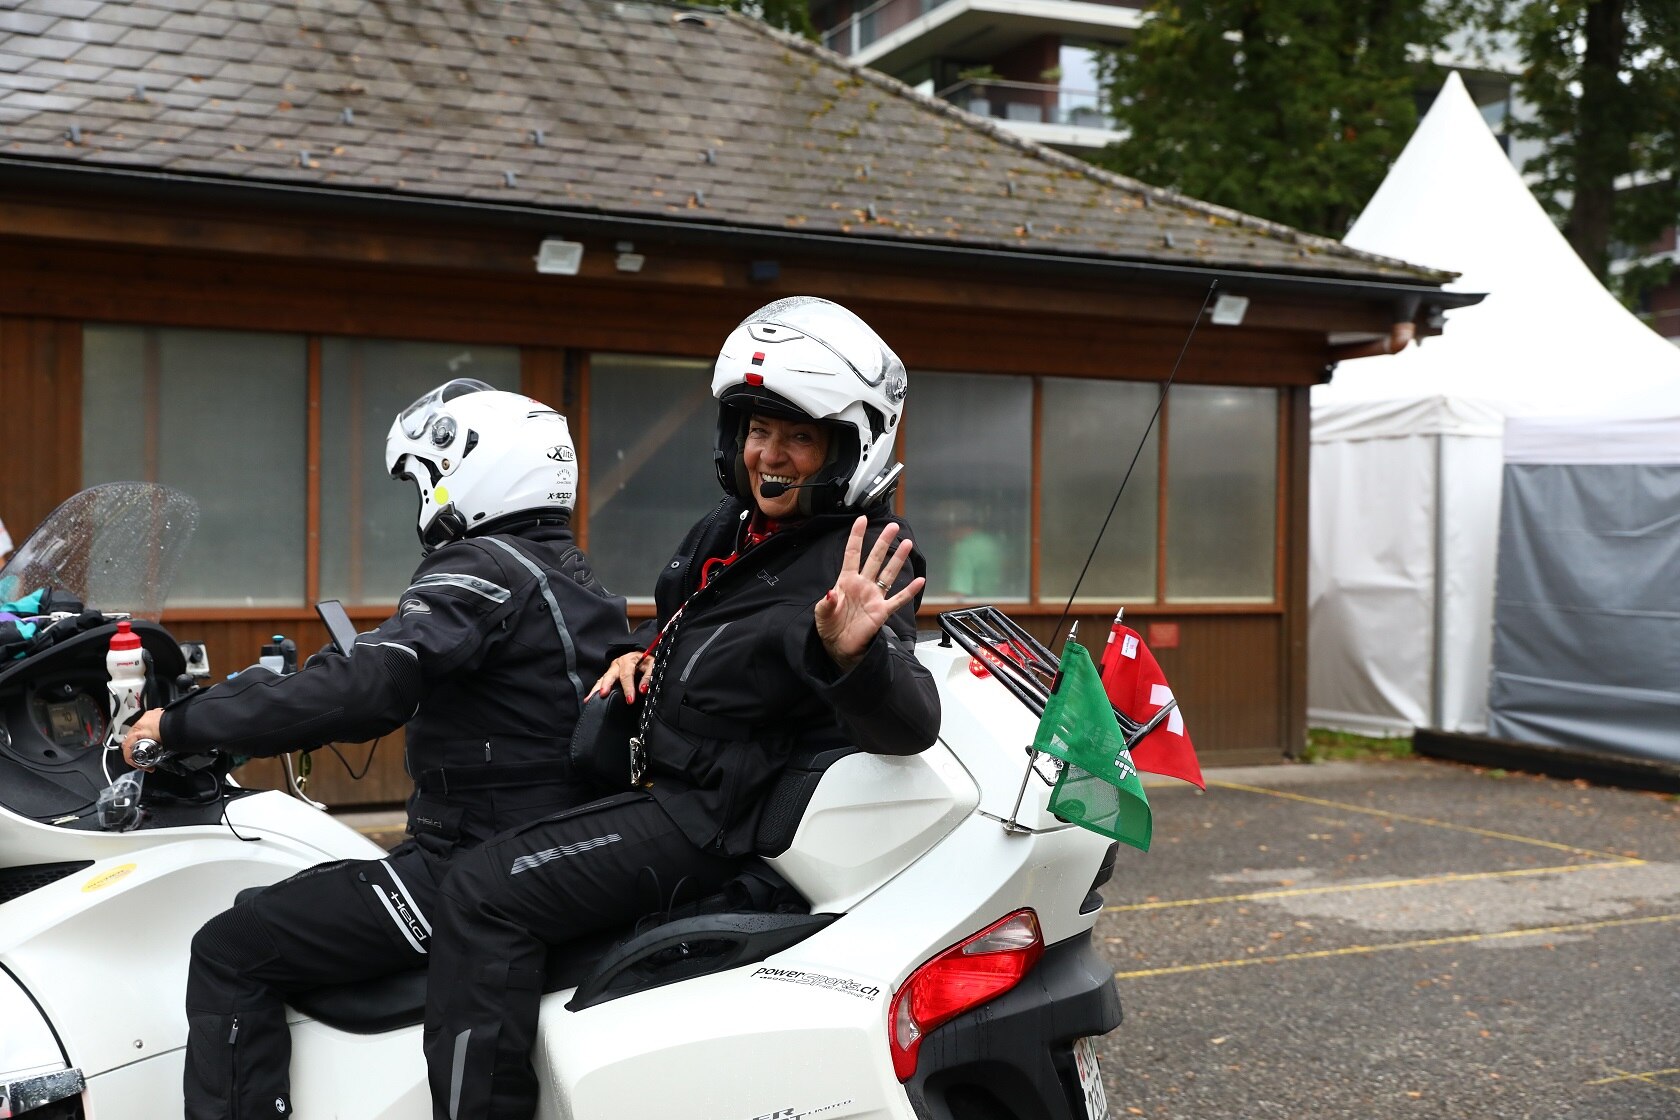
[[786, 617], [486, 659]]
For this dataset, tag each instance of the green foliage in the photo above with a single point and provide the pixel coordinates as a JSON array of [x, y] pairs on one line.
[[1603, 80], [1324, 745], [1288, 109], [789, 15]]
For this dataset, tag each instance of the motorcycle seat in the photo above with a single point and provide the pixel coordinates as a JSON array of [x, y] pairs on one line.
[[626, 963], [388, 1003]]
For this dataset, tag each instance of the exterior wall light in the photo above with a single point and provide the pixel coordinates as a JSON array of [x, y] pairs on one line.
[[628, 259], [1228, 310], [559, 258]]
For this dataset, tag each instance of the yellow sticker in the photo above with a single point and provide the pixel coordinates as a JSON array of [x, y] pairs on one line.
[[106, 878], [440, 496]]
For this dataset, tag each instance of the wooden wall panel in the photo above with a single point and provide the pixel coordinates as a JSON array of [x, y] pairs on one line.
[[1296, 488], [1226, 674], [1229, 674], [538, 311], [235, 644], [40, 418], [1240, 673], [333, 243]]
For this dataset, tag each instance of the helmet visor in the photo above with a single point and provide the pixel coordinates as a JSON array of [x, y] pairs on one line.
[[849, 338], [417, 417]]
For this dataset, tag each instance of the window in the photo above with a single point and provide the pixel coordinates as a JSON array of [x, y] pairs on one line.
[[1221, 494], [224, 417], [281, 440], [220, 415], [969, 497], [649, 470], [1091, 430], [368, 542]]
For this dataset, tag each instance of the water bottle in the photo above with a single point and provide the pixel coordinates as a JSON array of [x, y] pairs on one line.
[[125, 663]]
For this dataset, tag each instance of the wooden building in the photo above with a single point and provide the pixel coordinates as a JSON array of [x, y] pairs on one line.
[[235, 239]]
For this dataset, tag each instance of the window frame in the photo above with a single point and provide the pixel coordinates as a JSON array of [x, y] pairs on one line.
[[564, 376]]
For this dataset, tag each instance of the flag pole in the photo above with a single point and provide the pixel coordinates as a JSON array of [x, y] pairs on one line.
[[1013, 824]]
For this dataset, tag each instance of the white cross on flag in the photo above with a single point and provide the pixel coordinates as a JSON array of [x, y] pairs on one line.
[[1135, 684]]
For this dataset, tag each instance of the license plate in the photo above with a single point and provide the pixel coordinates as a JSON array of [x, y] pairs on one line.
[[1090, 1079]]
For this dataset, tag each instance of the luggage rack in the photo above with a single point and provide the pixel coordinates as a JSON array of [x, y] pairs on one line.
[[1026, 667]]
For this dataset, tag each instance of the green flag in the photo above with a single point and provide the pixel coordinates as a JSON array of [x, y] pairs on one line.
[[1099, 788]]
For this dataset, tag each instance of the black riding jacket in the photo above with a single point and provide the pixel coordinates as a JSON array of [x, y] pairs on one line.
[[745, 677], [491, 647]]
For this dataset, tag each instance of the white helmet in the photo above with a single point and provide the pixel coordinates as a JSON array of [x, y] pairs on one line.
[[806, 358], [479, 456]]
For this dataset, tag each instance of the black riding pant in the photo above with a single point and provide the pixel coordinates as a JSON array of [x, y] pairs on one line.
[[330, 924], [501, 909]]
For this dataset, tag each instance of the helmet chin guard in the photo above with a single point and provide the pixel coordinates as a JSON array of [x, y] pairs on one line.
[[809, 359], [478, 456]]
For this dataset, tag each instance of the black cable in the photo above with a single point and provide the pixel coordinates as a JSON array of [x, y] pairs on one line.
[[366, 762], [1114, 505]]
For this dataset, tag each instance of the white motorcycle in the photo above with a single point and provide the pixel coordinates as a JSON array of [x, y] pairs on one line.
[[942, 967]]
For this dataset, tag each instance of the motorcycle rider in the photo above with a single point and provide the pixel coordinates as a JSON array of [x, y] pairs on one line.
[[786, 617], [485, 660]]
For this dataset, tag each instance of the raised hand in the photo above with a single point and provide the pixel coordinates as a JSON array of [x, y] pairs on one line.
[[853, 611]]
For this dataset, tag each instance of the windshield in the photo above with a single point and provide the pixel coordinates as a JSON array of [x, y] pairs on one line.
[[116, 547]]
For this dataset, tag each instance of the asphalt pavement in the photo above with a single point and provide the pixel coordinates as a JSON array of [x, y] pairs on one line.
[[1405, 938]]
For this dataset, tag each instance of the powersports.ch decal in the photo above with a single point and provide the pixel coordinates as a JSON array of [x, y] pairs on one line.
[[795, 1114], [818, 980]]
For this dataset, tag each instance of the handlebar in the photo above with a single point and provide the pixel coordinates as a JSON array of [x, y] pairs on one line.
[[147, 753]]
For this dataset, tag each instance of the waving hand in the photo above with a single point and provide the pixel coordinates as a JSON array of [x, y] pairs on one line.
[[855, 608]]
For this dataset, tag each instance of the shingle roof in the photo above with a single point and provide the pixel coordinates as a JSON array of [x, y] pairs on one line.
[[627, 108]]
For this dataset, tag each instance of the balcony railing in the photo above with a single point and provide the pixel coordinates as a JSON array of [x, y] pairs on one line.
[[1029, 102], [863, 28], [876, 21]]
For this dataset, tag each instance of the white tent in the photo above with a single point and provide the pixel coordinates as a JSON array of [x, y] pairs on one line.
[[1406, 454], [1586, 645]]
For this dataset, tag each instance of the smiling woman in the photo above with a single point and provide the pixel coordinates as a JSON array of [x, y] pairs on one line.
[[785, 452]]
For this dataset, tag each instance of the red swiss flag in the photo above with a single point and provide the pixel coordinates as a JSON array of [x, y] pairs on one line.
[[1135, 684]]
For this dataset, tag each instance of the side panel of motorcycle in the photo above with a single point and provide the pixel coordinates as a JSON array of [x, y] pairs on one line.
[[27, 1046], [104, 949], [367, 1076], [756, 1042], [989, 730], [871, 816], [980, 873]]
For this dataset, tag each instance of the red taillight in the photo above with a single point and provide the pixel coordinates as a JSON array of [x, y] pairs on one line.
[[961, 978]]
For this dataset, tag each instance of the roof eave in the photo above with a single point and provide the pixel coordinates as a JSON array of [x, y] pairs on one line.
[[561, 221]]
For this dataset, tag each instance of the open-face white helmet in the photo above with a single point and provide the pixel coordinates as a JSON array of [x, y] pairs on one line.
[[805, 358], [480, 456]]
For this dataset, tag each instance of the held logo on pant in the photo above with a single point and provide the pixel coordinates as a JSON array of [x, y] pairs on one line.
[[537, 859], [398, 903]]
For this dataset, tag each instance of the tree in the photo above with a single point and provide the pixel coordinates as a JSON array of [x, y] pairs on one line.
[[1288, 109], [1601, 80], [789, 15]]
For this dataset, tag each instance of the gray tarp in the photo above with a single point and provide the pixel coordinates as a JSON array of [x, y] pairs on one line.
[[1586, 644]]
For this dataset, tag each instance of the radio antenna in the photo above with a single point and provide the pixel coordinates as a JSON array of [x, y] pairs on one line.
[[1115, 504]]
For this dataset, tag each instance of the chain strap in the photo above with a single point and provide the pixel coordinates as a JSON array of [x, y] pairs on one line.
[[661, 659], [662, 647]]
